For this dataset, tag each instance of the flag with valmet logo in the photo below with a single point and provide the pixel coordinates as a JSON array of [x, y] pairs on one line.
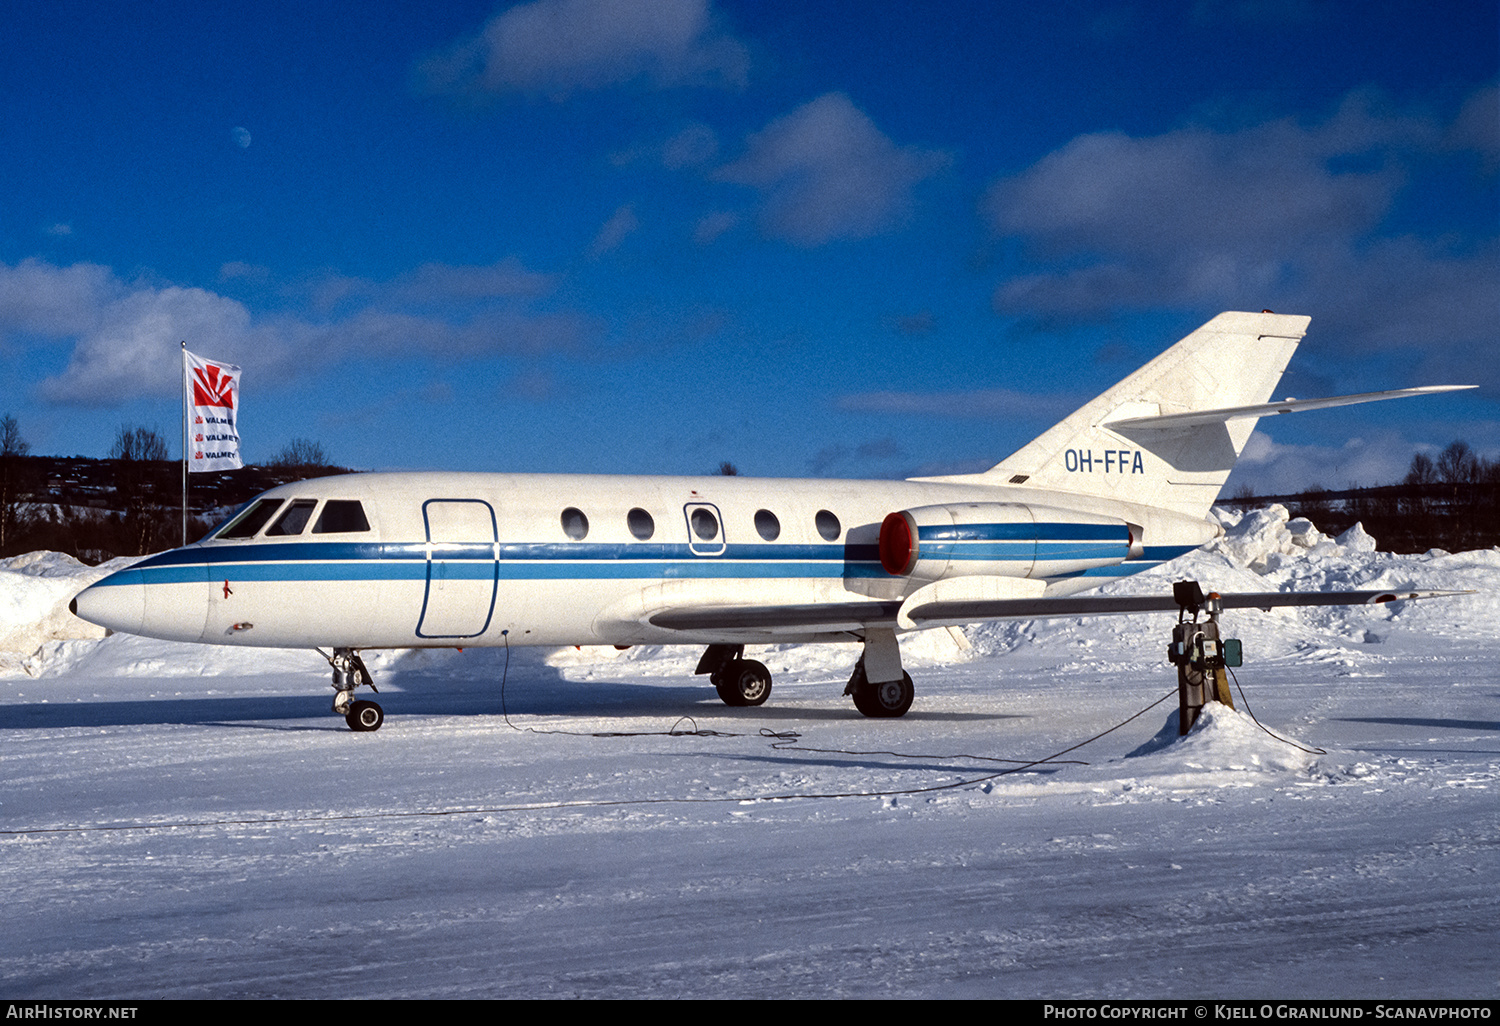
[[213, 398]]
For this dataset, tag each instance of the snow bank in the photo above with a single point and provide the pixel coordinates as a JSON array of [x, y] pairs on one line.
[[35, 589], [1225, 744], [1265, 540]]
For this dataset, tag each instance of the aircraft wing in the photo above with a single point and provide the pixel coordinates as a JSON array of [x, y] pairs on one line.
[[819, 617], [856, 616]]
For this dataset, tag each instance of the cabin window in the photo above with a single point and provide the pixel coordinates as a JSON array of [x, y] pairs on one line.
[[705, 524], [640, 523], [252, 520], [766, 525], [574, 524], [294, 520], [828, 525], [341, 516]]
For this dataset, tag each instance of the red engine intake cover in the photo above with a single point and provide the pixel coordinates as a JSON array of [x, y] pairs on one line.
[[898, 544]]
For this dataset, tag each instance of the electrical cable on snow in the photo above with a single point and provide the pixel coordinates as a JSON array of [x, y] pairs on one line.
[[782, 740], [592, 803], [785, 741], [673, 731], [1241, 689]]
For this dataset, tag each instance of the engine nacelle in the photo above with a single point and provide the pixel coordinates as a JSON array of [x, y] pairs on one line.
[[1002, 539]]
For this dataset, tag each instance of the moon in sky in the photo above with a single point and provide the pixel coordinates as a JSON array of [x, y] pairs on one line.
[[241, 137]]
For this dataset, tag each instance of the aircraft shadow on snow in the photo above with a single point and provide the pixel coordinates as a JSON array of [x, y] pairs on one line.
[[1421, 721], [532, 689]]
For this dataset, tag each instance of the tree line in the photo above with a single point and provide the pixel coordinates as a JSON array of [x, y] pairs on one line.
[[1450, 502], [129, 503]]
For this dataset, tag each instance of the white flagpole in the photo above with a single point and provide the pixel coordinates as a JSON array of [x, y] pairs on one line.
[[184, 441]]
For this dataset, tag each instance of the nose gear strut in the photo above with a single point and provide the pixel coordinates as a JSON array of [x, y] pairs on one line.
[[350, 672]]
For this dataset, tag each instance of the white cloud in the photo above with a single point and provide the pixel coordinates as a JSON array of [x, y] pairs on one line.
[[711, 225], [695, 144], [433, 283], [827, 172], [1477, 127], [239, 270], [505, 279], [133, 346], [1268, 467], [1256, 194], [980, 404], [1283, 215], [124, 337], [37, 298], [556, 47], [620, 224]]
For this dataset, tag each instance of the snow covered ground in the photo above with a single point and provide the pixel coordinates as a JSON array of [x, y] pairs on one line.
[[182, 821]]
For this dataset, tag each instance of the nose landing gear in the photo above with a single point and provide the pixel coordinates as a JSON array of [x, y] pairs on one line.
[[349, 672]]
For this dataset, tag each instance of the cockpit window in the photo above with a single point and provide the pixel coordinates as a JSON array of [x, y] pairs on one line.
[[252, 520], [294, 520], [341, 516]]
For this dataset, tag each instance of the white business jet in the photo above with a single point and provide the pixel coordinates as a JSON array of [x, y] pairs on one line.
[[445, 560]]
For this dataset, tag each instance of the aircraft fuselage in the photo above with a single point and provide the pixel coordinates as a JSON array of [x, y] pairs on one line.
[[459, 560]]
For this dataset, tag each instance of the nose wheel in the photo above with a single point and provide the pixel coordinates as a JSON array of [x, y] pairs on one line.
[[363, 716], [349, 672]]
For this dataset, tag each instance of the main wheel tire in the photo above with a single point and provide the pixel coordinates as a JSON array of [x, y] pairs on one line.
[[364, 716], [886, 700], [743, 682]]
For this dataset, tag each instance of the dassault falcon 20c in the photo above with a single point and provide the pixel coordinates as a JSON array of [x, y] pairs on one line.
[[371, 561]]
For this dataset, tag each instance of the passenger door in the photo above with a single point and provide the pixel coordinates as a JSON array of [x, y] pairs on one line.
[[462, 568]]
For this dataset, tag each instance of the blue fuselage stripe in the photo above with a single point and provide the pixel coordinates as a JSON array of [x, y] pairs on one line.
[[1025, 532], [520, 561]]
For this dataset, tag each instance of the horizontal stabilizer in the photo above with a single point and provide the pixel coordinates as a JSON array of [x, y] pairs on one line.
[[1198, 418], [937, 614]]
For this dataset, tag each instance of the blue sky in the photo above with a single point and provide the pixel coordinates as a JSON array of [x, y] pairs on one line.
[[827, 239]]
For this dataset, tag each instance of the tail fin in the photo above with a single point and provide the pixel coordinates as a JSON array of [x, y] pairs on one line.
[[1234, 360]]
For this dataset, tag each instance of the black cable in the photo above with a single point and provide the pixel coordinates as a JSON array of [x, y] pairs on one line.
[[696, 731], [1262, 726], [595, 803]]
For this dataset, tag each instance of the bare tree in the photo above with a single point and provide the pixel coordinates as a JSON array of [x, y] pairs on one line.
[[1422, 471], [11, 442], [140, 473], [728, 469], [300, 453], [1458, 465], [137, 444], [12, 448]]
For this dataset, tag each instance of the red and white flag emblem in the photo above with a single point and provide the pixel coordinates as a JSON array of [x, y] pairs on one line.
[[214, 383], [213, 390]]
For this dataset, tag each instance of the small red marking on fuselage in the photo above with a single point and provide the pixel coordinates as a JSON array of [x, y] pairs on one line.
[[227, 592]]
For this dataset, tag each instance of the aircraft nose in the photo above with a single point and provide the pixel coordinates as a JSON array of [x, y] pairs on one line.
[[117, 602]]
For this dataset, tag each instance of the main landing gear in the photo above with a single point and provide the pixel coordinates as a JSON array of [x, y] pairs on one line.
[[349, 672], [884, 700], [880, 687], [738, 680]]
